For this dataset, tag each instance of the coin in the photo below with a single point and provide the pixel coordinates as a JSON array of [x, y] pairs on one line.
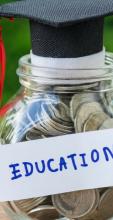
[[53, 122], [92, 216], [106, 94], [94, 121], [32, 135], [105, 209], [79, 99], [47, 201], [102, 190], [83, 114], [44, 212], [76, 204], [14, 216], [27, 204], [48, 117], [107, 124], [63, 219]]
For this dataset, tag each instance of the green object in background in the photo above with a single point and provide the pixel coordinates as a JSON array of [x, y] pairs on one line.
[[17, 43], [108, 34]]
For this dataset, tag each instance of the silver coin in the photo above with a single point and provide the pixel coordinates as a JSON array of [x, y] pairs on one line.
[[14, 216], [92, 216], [83, 114], [27, 204], [44, 212], [60, 110], [106, 95], [30, 135], [107, 124], [76, 204], [51, 125], [57, 127], [63, 219], [56, 121], [105, 209], [79, 99], [94, 121], [65, 118]]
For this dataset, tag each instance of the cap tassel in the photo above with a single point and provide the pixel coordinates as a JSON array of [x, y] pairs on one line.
[[2, 64]]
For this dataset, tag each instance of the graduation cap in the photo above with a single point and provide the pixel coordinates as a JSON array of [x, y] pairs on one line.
[[63, 28]]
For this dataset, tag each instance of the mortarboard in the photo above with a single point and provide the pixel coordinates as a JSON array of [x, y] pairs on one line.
[[63, 28]]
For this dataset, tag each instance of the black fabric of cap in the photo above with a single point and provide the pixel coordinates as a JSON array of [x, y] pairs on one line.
[[63, 28], [58, 12], [67, 42]]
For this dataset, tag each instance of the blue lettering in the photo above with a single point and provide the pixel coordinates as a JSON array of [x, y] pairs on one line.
[[28, 168], [16, 172], [95, 156], [49, 166], [84, 164], [62, 164], [107, 152], [43, 167], [72, 157]]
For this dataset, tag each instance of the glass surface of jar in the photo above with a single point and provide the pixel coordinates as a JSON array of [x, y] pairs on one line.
[[55, 102]]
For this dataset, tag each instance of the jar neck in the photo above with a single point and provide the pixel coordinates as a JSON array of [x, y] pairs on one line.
[[37, 79]]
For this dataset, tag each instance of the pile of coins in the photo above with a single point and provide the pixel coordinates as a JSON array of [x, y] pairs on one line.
[[46, 116], [49, 115], [84, 205], [87, 113]]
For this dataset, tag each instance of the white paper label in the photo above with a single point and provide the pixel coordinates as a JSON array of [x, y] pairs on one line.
[[56, 165]]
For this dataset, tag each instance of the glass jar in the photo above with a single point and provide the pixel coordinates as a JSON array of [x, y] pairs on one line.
[[54, 102]]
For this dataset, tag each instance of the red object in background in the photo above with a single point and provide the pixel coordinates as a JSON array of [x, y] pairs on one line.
[[2, 61], [2, 64], [8, 106], [5, 108]]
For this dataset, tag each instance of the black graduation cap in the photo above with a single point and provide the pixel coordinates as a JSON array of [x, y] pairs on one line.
[[63, 28]]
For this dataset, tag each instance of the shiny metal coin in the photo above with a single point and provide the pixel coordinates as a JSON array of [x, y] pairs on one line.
[[15, 216], [30, 135], [52, 124], [47, 201], [76, 204], [105, 209], [106, 94], [63, 219], [27, 204], [107, 124], [45, 212], [56, 121], [83, 114], [92, 216], [94, 121], [79, 99], [60, 112]]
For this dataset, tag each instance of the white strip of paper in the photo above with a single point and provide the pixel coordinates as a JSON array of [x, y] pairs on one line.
[[91, 61], [68, 70], [56, 165]]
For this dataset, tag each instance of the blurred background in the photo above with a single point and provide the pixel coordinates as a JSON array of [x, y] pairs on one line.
[[17, 43]]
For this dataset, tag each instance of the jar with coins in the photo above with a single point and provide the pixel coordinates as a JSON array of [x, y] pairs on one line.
[[50, 104]]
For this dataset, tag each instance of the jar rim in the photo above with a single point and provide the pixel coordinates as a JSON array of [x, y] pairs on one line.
[[65, 76]]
